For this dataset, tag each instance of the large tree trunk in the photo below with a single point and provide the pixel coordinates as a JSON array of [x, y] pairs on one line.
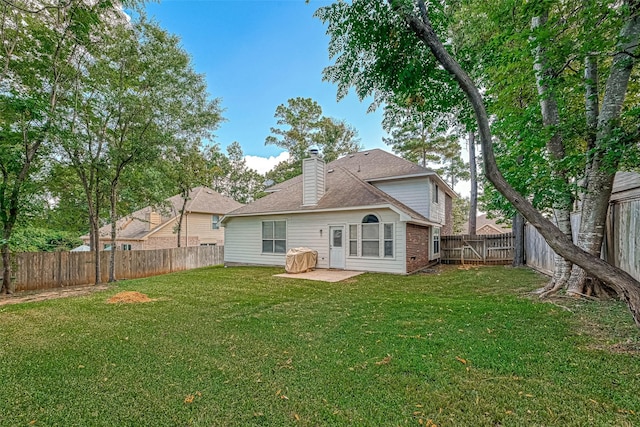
[[7, 285], [473, 197], [599, 177], [113, 216], [185, 198], [621, 281], [95, 225], [555, 148], [518, 241]]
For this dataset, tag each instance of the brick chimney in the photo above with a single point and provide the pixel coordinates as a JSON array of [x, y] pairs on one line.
[[313, 179]]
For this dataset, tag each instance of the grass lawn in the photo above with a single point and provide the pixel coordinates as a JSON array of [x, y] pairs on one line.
[[237, 346]]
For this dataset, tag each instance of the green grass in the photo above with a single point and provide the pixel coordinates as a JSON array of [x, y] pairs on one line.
[[237, 346]]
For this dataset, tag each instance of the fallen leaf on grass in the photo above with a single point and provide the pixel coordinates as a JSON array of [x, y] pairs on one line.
[[297, 417], [189, 398], [461, 360], [384, 361]]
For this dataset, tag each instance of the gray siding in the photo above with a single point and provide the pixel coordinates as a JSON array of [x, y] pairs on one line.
[[415, 193]]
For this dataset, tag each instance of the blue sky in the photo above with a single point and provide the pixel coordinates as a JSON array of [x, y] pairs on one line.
[[257, 54]]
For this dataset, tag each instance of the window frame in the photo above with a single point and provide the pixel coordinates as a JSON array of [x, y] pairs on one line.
[[126, 247], [273, 239], [435, 241], [435, 193], [215, 222], [357, 237]]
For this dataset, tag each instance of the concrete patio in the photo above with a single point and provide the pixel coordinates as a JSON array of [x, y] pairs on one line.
[[323, 275]]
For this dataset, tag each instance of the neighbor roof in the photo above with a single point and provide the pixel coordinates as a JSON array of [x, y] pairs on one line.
[[487, 223], [201, 200], [353, 172]]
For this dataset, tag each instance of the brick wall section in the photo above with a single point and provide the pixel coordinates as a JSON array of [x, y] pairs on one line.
[[417, 247], [152, 243], [169, 242], [447, 228]]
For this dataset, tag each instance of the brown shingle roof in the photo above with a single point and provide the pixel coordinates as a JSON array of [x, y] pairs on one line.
[[369, 165], [346, 186], [201, 199]]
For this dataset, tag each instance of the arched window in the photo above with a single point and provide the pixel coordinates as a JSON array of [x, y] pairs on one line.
[[370, 236], [370, 219]]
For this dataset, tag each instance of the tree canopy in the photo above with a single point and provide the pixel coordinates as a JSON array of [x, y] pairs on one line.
[[379, 45]]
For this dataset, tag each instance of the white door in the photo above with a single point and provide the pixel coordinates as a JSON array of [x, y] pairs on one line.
[[336, 247]]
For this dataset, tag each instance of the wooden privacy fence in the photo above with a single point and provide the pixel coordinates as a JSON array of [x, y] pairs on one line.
[[480, 249], [621, 243], [48, 270]]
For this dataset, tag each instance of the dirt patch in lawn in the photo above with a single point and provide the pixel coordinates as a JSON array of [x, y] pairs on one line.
[[129, 297], [33, 296]]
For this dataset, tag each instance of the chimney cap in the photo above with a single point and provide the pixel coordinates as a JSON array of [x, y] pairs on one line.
[[314, 151]]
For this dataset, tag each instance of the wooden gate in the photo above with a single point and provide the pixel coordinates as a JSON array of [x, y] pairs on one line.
[[480, 249]]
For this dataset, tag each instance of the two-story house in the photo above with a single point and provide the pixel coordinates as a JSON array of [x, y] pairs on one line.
[[367, 211], [156, 228]]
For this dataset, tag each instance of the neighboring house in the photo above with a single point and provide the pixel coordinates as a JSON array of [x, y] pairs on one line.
[[486, 226], [369, 211], [151, 228]]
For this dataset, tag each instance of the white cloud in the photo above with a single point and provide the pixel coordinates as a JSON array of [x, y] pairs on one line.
[[265, 164]]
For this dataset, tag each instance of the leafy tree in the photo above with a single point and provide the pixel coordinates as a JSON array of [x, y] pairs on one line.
[[460, 214], [137, 100], [298, 121], [244, 184], [453, 167], [416, 135], [303, 126], [231, 175], [364, 37], [187, 168], [30, 239], [547, 132], [40, 47], [336, 138]]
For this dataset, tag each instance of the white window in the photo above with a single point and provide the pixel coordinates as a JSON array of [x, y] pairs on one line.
[[126, 247], [388, 240], [436, 241], [371, 238], [353, 240], [274, 237], [435, 193], [207, 244], [215, 222]]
